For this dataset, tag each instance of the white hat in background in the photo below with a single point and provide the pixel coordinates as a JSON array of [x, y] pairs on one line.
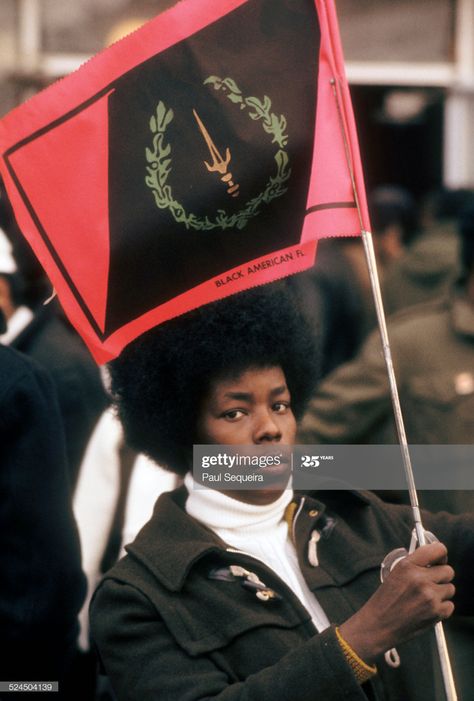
[[7, 261]]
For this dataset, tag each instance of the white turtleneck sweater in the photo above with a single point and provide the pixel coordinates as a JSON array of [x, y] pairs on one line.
[[260, 531]]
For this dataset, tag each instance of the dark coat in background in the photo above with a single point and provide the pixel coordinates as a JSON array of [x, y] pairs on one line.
[[82, 398], [433, 355], [41, 583], [167, 628]]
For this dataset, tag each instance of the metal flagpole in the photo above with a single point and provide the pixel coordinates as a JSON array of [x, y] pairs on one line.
[[445, 662]]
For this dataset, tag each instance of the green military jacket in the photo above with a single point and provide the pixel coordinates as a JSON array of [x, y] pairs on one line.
[[166, 629], [433, 354]]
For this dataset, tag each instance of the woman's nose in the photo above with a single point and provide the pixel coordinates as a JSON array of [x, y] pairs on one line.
[[266, 428]]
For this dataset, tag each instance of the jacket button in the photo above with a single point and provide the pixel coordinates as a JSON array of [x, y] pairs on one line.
[[313, 513]]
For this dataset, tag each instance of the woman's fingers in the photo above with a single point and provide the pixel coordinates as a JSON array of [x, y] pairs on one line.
[[446, 591], [441, 574], [446, 610], [429, 555]]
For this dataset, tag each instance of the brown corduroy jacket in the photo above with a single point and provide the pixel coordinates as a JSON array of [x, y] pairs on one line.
[[166, 629]]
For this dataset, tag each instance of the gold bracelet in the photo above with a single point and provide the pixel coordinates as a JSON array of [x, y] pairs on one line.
[[362, 671]]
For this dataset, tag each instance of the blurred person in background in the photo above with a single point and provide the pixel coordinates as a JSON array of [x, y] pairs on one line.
[[116, 491], [335, 295], [42, 334], [41, 585], [395, 222], [433, 353], [394, 217], [433, 348], [429, 265]]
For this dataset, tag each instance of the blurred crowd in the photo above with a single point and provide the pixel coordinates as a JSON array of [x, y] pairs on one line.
[[73, 493]]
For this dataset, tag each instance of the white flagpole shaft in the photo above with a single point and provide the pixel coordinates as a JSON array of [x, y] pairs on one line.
[[402, 438], [443, 654]]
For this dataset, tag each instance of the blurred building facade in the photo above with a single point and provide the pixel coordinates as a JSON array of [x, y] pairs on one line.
[[410, 66]]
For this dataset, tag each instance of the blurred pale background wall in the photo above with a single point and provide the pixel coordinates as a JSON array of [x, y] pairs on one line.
[[410, 64]]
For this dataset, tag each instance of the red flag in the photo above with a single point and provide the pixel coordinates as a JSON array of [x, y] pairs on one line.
[[204, 154]]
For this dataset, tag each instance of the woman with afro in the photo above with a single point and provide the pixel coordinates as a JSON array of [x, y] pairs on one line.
[[261, 595]]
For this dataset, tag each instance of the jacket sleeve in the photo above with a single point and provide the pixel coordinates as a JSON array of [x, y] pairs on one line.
[[144, 662], [351, 402]]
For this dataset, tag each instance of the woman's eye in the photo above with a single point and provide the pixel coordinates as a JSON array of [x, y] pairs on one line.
[[233, 415], [281, 407]]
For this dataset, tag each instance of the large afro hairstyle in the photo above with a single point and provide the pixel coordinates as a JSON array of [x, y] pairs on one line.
[[160, 380]]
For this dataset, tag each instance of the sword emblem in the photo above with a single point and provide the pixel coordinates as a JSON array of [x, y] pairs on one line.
[[219, 164]]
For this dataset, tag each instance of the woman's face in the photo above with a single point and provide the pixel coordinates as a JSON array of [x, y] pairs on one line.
[[253, 408]]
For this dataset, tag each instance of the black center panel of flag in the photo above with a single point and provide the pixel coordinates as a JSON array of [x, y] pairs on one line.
[[153, 256]]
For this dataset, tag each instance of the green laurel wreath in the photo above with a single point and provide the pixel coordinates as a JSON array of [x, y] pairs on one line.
[[159, 160]]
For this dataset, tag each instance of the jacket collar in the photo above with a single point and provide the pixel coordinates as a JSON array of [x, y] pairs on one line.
[[172, 541]]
